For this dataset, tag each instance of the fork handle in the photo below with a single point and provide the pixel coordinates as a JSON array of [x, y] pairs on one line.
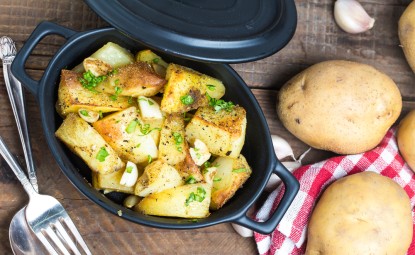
[[16, 95], [17, 170]]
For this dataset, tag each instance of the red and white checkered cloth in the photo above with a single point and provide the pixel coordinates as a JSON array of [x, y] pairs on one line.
[[290, 235]]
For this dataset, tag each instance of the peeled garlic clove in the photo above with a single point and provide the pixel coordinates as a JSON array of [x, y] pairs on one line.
[[130, 175], [88, 116], [281, 147], [351, 17]]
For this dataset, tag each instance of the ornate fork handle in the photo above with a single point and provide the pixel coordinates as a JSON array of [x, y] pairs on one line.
[[16, 96]]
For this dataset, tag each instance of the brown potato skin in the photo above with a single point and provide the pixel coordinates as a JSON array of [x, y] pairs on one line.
[[340, 106], [406, 32], [406, 139], [364, 213]]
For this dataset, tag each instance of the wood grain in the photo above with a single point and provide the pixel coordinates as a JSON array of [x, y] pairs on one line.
[[317, 38]]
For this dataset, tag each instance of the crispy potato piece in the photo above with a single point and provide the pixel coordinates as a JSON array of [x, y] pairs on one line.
[[72, 97], [183, 91], [137, 79], [156, 62], [157, 177], [172, 140], [187, 201], [110, 182], [96, 67], [230, 175], [223, 132], [112, 54], [86, 142], [129, 136]]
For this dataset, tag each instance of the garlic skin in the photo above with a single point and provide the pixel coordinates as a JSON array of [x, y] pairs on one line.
[[351, 17]]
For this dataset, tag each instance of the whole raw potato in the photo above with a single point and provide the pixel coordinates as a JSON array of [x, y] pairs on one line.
[[361, 214], [340, 106], [406, 32], [406, 139]]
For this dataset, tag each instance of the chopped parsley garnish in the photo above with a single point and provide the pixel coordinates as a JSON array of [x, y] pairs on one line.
[[190, 180], [90, 81], [220, 104], [129, 169], [211, 87], [84, 113], [102, 154], [187, 99], [118, 90], [199, 196], [240, 170], [178, 138]]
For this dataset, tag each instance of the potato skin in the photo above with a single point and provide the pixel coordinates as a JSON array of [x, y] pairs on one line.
[[406, 32], [340, 106], [406, 139], [364, 213]]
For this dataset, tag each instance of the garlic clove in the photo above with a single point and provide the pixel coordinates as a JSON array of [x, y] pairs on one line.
[[351, 17], [130, 175], [282, 148]]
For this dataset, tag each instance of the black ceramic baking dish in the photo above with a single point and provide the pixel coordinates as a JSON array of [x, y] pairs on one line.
[[258, 148]]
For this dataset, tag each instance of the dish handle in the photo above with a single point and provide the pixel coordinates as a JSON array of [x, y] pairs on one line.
[[291, 189], [44, 29]]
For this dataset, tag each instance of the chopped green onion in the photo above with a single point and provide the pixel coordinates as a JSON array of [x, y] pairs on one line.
[[146, 99], [190, 180], [217, 179], [156, 60], [220, 104], [187, 99], [199, 196], [90, 81], [84, 112], [150, 159], [118, 90], [179, 140], [129, 169], [132, 126], [102, 154], [240, 170], [211, 87], [100, 114]]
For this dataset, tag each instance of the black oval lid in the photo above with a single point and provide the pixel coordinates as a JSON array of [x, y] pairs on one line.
[[208, 30]]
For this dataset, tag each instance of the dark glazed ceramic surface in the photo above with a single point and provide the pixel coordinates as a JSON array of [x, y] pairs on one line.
[[226, 31]]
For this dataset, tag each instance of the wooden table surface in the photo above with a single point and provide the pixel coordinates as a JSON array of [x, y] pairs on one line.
[[317, 38]]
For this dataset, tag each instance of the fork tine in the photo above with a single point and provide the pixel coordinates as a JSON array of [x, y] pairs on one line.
[[46, 243], [66, 237], [76, 233], [52, 235]]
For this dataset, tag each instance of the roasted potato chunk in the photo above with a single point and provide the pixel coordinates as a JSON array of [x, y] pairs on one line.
[[86, 142], [72, 97], [172, 141], [157, 177], [187, 201], [112, 54], [129, 136], [222, 131], [184, 90], [231, 174], [96, 67], [156, 62], [110, 182], [137, 79]]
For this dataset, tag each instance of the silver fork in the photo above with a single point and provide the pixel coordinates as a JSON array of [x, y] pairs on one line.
[[46, 216]]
